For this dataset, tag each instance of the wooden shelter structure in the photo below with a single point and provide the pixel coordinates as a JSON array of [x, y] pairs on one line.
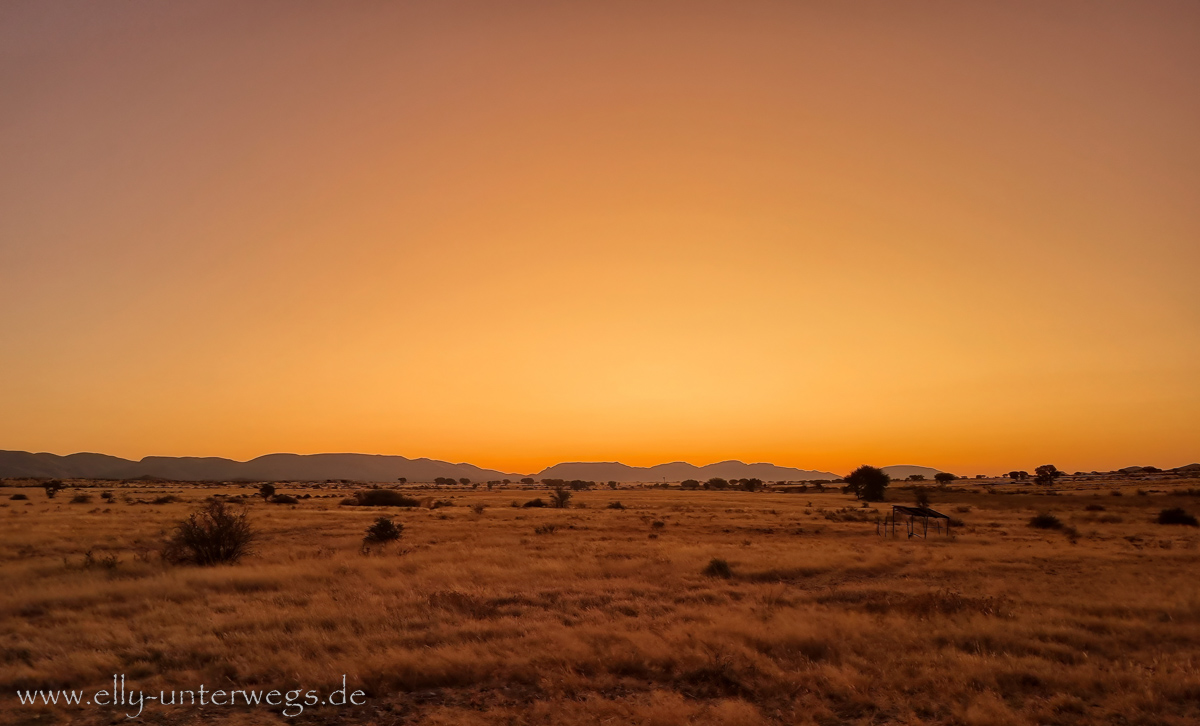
[[924, 514]]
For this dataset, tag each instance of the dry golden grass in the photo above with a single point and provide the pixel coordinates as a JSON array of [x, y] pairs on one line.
[[475, 618]]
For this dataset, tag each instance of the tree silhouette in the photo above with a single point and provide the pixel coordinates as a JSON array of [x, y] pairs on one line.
[[868, 483], [1046, 474]]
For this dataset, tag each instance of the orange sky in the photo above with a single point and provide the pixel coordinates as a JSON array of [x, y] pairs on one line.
[[964, 235]]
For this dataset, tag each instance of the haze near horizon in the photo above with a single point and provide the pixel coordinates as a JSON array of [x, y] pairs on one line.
[[960, 235]]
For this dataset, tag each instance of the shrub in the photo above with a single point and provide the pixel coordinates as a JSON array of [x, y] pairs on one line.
[[1176, 515], [219, 533], [384, 530], [920, 497], [1095, 508], [559, 498], [107, 496], [718, 568], [381, 498], [81, 499], [18, 497], [716, 483], [266, 491], [283, 499], [478, 508], [168, 499], [545, 529], [615, 505], [751, 485], [1115, 493], [534, 503], [1045, 521], [658, 524], [52, 488], [689, 484]]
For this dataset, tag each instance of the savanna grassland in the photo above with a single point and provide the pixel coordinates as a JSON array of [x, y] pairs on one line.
[[598, 615]]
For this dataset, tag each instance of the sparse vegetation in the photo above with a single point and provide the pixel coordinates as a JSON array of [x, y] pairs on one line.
[[381, 498], [1177, 515], [383, 531], [1045, 521], [815, 603], [718, 568], [559, 498], [218, 534]]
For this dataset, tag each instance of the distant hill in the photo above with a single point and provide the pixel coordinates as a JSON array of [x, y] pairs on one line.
[[677, 471], [904, 471], [374, 468], [272, 467]]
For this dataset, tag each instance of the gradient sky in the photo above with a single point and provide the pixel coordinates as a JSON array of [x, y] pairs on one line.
[[965, 235]]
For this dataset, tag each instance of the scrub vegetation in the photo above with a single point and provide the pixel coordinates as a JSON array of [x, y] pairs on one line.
[[718, 606]]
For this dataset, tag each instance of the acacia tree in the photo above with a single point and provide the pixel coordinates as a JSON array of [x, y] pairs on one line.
[[1046, 474], [1018, 475], [944, 477], [868, 483]]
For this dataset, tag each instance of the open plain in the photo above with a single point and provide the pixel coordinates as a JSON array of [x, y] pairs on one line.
[[485, 612]]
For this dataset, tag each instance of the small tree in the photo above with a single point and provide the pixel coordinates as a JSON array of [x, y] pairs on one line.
[[1046, 474], [943, 477], [527, 480], [384, 530], [216, 534], [560, 497], [751, 485], [716, 483], [1018, 475], [267, 490], [916, 477], [868, 483], [921, 497], [464, 481], [402, 480], [52, 487], [689, 484]]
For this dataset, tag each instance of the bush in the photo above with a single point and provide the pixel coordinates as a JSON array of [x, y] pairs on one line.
[[18, 497], [545, 529], [1045, 521], [380, 498], [718, 568], [1176, 515], [534, 503], [559, 498], [383, 531], [52, 487], [81, 499], [1095, 508], [658, 524], [266, 491], [217, 534], [168, 499], [283, 499], [478, 508], [615, 505], [689, 484], [107, 496]]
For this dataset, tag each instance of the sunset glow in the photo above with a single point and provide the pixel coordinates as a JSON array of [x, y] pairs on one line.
[[961, 235]]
